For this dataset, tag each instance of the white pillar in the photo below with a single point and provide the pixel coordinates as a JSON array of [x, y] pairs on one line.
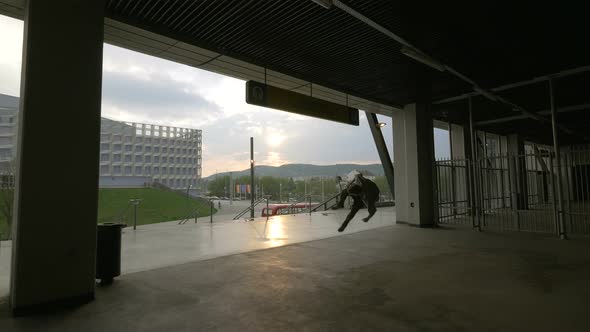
[[58, 155], [414, 166], [457, 134]]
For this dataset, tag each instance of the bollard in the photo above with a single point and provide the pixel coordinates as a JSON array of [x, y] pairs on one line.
[[135, 202], [134, 216]]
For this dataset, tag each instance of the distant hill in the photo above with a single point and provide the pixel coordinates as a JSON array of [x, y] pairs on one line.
[[305, 170]]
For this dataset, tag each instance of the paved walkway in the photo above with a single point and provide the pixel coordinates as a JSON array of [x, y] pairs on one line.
[[394, 278], [165, 244]]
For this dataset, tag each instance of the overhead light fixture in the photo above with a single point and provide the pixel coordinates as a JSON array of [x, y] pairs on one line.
[[485, 93], [381, 124], [423, 58], [324, 3]]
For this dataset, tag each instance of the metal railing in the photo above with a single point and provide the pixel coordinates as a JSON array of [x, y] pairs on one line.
[[517, 192], [250, 207], [194, 213], [325, 203]]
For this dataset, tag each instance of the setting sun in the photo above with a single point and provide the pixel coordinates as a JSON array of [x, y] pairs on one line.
[[275, 139]]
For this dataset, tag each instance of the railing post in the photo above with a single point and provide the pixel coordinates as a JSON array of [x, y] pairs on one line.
[[211, 212], [134, 216], [309, 205], [560, 220]]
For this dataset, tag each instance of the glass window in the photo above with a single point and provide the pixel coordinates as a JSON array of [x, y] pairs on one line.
[[148, 140], [117, 147], [127, 139], [128, 158], [138, 169], [156, 159], [117, 158], [156, 141], [104, 169], [138, 148], [148, 159], [163, 170], [138, 158], [128, 148], [105, 146], [148, 170], [156, 170], [105, 157], [156, 149], [138, 139], [117, 138], [164, 159], [117, 169], [105, 137], [127, 170], [164, 150], [148, 149]]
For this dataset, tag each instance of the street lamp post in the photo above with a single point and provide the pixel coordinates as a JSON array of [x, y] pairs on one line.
[[252, 188]]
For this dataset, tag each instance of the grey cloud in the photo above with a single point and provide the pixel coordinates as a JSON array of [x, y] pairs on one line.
[[308, 141], [161, 96]]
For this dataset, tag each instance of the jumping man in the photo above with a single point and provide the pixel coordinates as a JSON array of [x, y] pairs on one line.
[[364, 192]]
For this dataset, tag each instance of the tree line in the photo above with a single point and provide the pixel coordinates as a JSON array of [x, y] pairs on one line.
[[285, 189]]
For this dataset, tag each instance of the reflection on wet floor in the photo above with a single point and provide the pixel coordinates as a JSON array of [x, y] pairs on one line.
[[153, 246], [164, 244]]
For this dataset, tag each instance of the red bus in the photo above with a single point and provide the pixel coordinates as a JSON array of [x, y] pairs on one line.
[[285, 208]]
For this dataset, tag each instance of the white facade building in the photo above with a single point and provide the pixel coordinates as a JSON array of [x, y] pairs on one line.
[[8, 127], [131, 154]]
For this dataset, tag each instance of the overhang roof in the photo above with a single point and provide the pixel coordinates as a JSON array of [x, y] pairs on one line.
[[493, 43]]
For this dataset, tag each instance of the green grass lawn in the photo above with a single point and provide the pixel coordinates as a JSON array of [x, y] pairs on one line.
[[157, 205], [3, 224], [3, 229]]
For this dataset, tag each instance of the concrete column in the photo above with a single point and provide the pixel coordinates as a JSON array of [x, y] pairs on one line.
[[460, 173], [517, 169], [58, 155], [414, 165], [457, 134]]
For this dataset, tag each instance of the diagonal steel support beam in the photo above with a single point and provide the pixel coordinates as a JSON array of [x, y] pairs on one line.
[[381, 149]]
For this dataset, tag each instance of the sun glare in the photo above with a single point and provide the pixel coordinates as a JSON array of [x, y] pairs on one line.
[[275, 139]]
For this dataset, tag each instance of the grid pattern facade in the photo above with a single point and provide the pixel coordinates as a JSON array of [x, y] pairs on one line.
[[8, 134], [168, 155]]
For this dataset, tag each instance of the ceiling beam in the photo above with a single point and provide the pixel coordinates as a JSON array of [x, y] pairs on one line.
[[539, 79], [573, 108]]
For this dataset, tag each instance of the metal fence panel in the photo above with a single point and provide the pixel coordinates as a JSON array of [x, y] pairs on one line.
[[516, 192]]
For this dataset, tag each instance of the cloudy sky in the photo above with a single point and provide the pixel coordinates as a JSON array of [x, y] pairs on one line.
[[141, 88]]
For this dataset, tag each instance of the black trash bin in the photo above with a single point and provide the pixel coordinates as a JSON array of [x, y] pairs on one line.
[[108, 251]]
